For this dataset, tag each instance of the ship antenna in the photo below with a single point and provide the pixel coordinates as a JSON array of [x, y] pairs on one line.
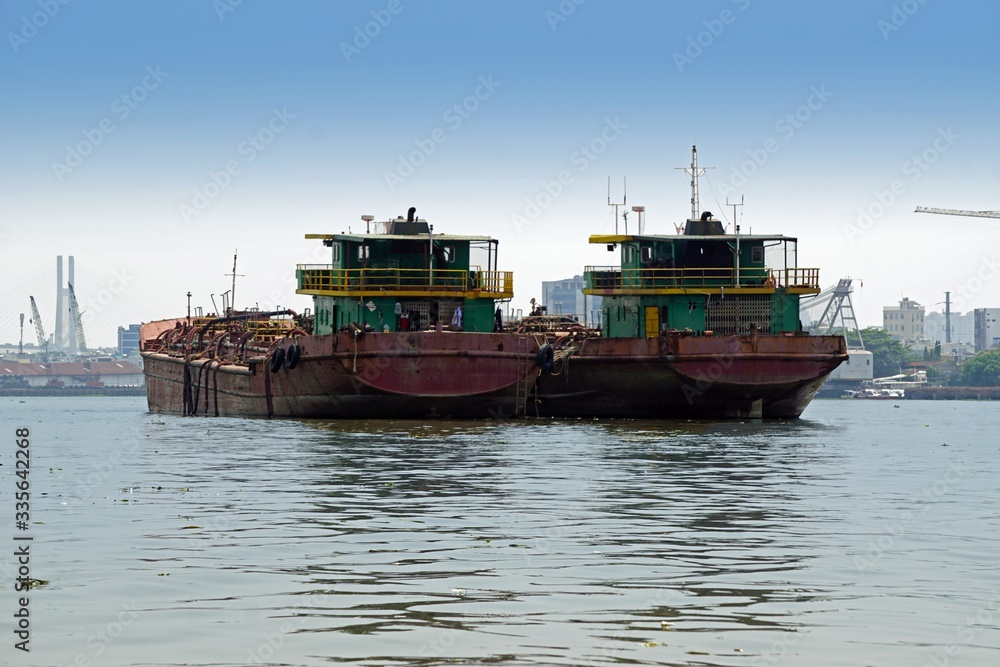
[[616, 204], [734, 205], [695, 172]]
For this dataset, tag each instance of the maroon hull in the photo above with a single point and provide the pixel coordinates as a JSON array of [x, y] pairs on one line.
[[678, 376], [398, 375]]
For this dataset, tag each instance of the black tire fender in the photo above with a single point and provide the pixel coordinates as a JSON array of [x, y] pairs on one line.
[[292, 356], [546, 358], [277, 359]]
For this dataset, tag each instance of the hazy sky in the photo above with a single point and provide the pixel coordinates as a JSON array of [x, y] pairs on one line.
[[152, 139]]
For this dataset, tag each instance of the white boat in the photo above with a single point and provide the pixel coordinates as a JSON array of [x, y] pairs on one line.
[[893, 387]]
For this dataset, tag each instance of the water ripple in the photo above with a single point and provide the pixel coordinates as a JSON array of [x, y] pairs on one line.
[[838, 539]]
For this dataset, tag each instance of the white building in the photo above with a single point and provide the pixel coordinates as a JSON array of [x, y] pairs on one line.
[[856, 369], [963, 327], [904, 322]]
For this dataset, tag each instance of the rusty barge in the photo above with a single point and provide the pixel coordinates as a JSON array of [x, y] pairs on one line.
[[402, 326], [680, 375], [701, 324]]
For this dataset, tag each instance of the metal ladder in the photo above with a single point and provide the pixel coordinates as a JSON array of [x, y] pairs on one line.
[[521, 390]]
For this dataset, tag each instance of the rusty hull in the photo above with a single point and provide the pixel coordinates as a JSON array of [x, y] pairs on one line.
[[374, 375], [678, 376]]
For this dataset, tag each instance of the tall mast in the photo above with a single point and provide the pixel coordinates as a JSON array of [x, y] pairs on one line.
[[232, 292], [615, 205], [695, 172]]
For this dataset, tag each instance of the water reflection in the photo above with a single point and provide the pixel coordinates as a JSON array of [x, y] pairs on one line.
[[717, 504], [497, 533]]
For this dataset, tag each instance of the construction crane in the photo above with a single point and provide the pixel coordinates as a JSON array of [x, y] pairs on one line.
[[840, 307], [955, 211], [838, 316], [37, 320], [74, 311]]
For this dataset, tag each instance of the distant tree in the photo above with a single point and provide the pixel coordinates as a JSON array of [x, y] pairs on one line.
[[889, 356], [982, 370], [945, 373], [852, 338], [13, 382], [933, 353]]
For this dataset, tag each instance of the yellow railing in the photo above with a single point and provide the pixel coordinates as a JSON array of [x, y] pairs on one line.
[[616, 278], [314, 278], [806, 278]]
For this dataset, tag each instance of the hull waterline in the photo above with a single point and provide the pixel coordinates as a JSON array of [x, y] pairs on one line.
[[383, 375], [677, 377]]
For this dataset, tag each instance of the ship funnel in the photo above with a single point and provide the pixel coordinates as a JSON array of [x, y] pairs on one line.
[[706, 226], [412, 224]]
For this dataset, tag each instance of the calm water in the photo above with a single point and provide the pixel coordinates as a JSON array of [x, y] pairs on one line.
[[865, 534]]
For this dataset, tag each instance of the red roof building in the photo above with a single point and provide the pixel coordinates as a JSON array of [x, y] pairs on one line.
[[75, 373]]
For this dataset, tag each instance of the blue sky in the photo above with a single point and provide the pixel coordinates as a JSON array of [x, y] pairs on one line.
[[152, 139]]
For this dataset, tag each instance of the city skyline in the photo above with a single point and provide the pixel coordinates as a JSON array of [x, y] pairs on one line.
[[153, 141]]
